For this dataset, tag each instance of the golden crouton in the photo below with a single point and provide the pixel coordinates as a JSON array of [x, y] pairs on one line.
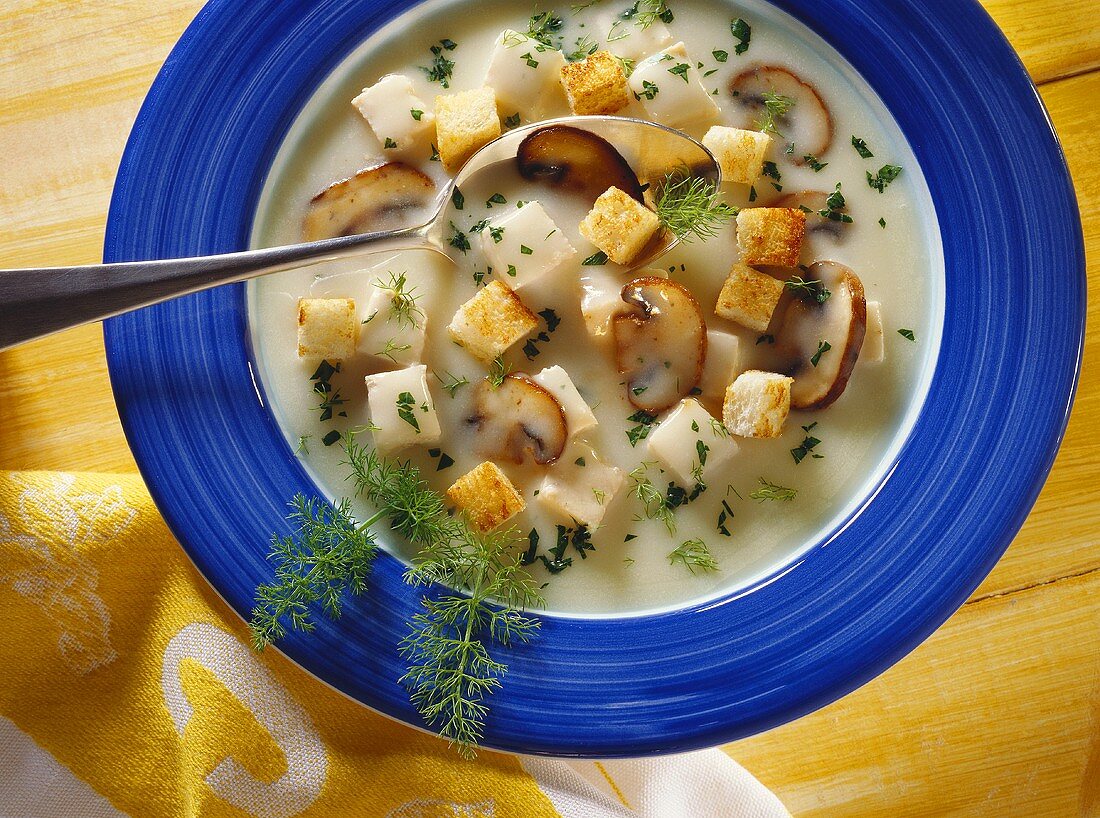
[[491, 321], [327, 328], [740, 153], [749, 298], [619, 225], [771, 235], [595, 85], [487, 497], [757, 404], [465, 122]]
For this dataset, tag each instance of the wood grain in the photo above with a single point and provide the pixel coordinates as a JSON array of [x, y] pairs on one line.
[[997, 714]]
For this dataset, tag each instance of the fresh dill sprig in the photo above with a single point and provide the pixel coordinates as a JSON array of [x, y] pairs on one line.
[[543, 26], [776, 106], [391, 348], [585, 46], [771, 491], [403, 308], [651, 498], [450, 671], [694, 554], [814, 290], [451, 385], [498, 371], [689, 206], [650, 11], [328, 555]]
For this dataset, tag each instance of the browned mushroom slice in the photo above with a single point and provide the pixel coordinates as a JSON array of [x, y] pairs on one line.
[[519, 420], [820, 341], [807, 124], [379, 198], [575, 160], [816, 224], [660, 344]]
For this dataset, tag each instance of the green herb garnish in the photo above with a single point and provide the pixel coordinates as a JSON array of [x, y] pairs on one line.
[[776, 107], [907, 333], [742, 32], [812, 161], [688, 206], [886, 174], [694, 554], [861, 148], [822, 348], [771, 491], [814, 290]]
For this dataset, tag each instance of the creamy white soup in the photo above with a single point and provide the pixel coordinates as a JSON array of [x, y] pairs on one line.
[[766, 500]]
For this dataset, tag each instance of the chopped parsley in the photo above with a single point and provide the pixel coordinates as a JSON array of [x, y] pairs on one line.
[[719, 55], [406, 403], [907, 333], [834, 207], [640, 431], [806, 447], [512, 121], [531, 61], [822, 348], [497, 233], [882, 223], [812, 161], [680, 70], [330, 438], [457, 199], [389, 144], [525, 250], [886, 174], [649, 90], [441, 68], [416, 114], [459, 239], [725, 514], [544, 26], [742, 32], [861, 148]]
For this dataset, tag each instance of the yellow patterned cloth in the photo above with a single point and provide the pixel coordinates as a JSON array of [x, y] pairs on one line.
[[129, 687]]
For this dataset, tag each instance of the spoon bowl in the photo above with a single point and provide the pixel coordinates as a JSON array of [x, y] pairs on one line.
[[38, 302]]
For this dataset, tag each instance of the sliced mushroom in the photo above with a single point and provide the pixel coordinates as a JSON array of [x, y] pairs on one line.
[[808, 124], [576, 160], [820, 341], [816, 224], [661, 344], [519, 420], [379, 198]]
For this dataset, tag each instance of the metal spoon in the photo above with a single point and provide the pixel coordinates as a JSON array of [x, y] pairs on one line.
[[37, 302]]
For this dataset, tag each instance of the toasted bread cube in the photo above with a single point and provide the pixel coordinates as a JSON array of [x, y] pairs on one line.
[[721, 366], [757, 404], [491, 321], [595, 85], [401, 409], [399, 118], [580, 493], [526, 76], [486, 496], [619, 225], [327, 328], [739, 153], [874, 341], [690, 444], [749, 297], [771, 235], [530, 246], [578, 415], [670, 89], [391, 334], [465, 122], [628, 40]]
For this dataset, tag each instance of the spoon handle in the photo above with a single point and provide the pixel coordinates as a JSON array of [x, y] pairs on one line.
[[37, 302]]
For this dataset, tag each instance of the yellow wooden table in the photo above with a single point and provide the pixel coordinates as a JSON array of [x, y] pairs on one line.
[[997, 714]]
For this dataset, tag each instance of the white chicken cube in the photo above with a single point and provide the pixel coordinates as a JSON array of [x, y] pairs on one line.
[[626, 39], [722, 365], [670, 89], [525, 245], [402, 410], [525, 75], [581, 493], [578, 415], [400, 120], [690, 444], [394, 328], [874, 345]]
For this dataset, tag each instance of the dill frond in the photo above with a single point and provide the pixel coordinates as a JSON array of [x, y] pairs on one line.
[[814, 290], [776, 106], [651, 498], [770, 491], [451, 386], [403, 307], [498, 371], [689, 207], [694, 554], [327, 556], [650, 11]]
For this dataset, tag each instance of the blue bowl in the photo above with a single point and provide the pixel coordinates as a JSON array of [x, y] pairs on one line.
[[220, 471]]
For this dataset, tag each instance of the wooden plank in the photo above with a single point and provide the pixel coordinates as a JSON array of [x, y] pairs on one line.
[[1054, 40], [989, 717]]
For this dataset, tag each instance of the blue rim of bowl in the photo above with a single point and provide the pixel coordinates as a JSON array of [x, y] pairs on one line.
[[221, 472]]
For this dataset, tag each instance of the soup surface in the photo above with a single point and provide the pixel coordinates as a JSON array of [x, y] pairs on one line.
[[749, 529]]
